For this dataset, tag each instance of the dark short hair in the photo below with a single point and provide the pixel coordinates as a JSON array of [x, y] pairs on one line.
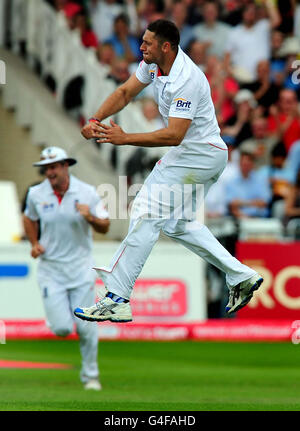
[[122, 17], [216, 4], [165, 31], [279, 150], [247, 154]]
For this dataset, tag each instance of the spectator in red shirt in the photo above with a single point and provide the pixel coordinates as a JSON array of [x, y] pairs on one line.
[[284, 118], [71, 10], [88, 37], [223, 89], [78, 19]]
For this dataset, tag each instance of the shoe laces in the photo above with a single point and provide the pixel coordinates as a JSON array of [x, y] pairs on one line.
[[230, 299], [103, 306], [234, 294], [101, 292]]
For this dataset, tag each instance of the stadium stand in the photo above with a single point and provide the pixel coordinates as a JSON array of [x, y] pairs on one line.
[[261, 229], [11, 228]]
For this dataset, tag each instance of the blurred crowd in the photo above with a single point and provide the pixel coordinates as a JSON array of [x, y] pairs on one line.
[[250, 53]]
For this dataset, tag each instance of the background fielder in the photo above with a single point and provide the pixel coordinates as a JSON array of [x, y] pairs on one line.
[[66, 208]]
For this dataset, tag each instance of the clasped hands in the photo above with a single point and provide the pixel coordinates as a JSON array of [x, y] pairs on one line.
[[103, 133]]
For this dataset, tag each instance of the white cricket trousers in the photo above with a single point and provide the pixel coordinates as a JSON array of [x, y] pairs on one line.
[[128, 261], [59, 303]]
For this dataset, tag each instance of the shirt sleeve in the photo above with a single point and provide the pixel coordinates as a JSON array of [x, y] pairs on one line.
[[30, 208], [96, 206], [142, 73]]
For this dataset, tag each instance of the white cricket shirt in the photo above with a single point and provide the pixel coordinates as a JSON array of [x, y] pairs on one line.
[[65, 234], [184, 93]]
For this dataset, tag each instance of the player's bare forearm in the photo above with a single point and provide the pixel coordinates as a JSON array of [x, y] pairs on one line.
[[99, 225], [168, 136], [113, 104], [120, 98], [31, 229], [159, 138]]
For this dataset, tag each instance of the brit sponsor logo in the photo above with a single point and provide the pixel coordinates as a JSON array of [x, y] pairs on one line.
[[182, 104]]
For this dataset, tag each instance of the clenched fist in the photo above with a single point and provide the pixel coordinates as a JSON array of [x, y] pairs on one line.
[[36, 250], [84, 211]]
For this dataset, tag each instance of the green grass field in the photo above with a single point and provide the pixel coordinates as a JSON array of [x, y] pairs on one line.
[[155, 376]]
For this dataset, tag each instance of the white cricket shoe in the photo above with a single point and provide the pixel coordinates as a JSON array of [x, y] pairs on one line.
[[92, 384], [106, 309], [240, 295]]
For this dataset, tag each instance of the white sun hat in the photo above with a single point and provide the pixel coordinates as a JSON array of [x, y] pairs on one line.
[[290, 46], [245, 95], [52, 155], [242, 75]]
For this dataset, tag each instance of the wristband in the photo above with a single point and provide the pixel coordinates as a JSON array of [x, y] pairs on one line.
[[94, 120]]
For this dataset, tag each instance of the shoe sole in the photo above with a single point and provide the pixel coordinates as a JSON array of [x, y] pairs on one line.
[[247, 298], [95, 319]]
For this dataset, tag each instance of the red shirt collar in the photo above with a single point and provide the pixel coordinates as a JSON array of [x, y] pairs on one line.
[[59, 197]]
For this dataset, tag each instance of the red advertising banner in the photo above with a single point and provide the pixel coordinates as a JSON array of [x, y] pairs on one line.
[[211, 329], [158, 297], [279, 265]]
